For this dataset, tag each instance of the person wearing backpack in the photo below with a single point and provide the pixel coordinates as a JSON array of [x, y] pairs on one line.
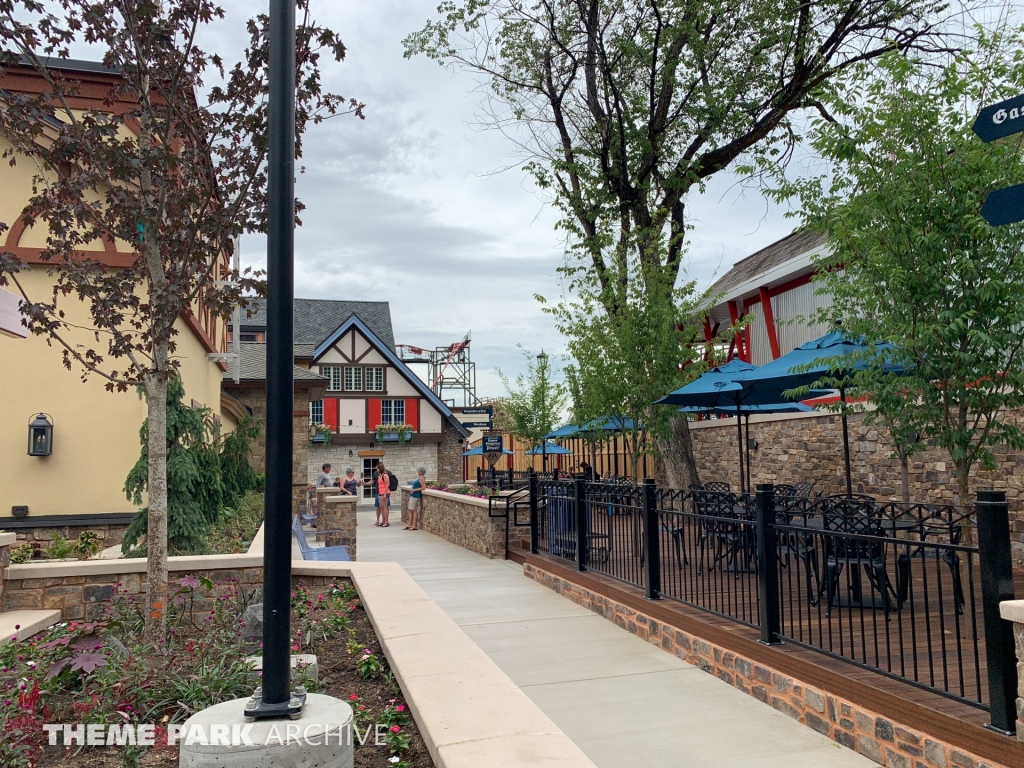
[[386, 483]]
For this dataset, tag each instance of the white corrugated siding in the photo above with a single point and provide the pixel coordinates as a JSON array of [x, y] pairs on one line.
[[793, 309], [760, 349]]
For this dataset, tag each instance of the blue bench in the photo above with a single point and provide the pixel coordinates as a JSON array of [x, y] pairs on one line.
[[338, 553]]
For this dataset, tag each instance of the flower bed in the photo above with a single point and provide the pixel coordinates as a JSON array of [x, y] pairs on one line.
[[464, 489], [102, 672]]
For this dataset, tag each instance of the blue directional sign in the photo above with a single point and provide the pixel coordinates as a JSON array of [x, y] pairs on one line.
[[492, 444], [1004, 206], [1000, 120]]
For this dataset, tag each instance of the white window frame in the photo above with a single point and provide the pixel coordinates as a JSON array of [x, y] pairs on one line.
[[374, 378], [388, 406], [333, 375], [352, 373], [316, 411]]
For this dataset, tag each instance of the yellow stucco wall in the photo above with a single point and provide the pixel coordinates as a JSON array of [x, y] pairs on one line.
[[96, 433]]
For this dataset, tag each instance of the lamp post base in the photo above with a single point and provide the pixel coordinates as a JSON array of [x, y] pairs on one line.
[[223, 736]]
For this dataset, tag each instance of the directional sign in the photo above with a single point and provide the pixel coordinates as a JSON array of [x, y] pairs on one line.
[[1004, 206], [1000, 120]]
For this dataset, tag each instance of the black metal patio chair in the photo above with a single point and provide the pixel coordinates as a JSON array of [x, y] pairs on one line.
[[853, 533]]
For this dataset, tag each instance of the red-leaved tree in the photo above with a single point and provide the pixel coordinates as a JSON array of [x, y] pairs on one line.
[[174, 164]]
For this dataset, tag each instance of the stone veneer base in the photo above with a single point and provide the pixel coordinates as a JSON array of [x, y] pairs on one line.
[[878, 738]]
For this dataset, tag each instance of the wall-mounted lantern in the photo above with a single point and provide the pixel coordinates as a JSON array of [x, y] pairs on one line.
[[40, 436]]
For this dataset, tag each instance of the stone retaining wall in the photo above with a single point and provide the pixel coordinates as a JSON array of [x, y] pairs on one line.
[[792, 449], [338, 516], [1013, 611], [110, 535], [463, 520], [884, 741], [79, 589], [7, 541]]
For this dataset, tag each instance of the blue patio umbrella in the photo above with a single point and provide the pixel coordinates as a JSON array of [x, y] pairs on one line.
[[567, 431], [720, 388], [552, 449], [834, 355], [479, 451]]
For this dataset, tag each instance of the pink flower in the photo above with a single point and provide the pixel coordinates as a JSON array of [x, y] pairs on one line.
[[400, 708], [353, 696], [394, 729]]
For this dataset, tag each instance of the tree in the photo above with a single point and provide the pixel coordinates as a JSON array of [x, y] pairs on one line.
[[912, 261], [533, 404], [623, 361], [206, 473], [622, 107], [179, 173]]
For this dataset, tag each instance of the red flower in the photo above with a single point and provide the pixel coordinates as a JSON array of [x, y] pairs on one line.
[[353, 696], [394, 729]]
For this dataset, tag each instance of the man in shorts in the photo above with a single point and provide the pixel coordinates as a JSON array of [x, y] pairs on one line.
[[416, 499]]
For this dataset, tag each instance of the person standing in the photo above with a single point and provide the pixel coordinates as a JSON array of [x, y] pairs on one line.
[[383, 495], [416, 499], [324, 479], [349, 483]]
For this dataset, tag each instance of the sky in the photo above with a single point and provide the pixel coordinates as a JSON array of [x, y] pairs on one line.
[[421, 206]]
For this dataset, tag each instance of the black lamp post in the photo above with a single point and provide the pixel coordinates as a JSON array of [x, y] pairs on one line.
[[542, 364], [275, 699]]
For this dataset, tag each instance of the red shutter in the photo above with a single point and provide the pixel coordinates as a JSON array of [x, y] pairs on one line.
[[331, 413], [412, 413], [372, 414]]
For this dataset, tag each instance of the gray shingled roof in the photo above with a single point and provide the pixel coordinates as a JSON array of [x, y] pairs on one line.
[[775, 254], [316, 319], [254, 366]]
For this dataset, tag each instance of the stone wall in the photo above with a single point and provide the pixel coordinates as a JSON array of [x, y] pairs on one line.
[[7, 541], [810, 448], [463, 520], [339, 517], [403, 460], [1013, 611], [882, 740], [79, 590], [449, 456], [110, 535]]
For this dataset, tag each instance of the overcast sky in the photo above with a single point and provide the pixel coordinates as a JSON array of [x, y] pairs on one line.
[[411, 205]]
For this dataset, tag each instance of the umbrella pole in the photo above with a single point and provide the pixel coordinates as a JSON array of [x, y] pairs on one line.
[[846, 442], [739, 444], [746, 442]]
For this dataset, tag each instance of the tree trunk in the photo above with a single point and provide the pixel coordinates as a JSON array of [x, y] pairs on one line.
[[677, 452], [963, 478], [156, 525], [904, 475]]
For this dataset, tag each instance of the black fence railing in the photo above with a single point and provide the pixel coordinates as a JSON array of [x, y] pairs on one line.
[[898, 589]]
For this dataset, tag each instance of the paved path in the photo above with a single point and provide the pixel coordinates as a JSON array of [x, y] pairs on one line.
[[624, 702]]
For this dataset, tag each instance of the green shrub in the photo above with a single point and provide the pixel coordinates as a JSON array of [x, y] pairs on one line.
[[237, 527], [59, 548], [87, 545], [21, 554]]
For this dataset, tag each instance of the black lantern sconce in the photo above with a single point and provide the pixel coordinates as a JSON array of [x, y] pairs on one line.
[[40, 436], [312, 432]]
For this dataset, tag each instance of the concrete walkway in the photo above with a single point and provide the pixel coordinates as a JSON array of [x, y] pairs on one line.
[[624, 702]]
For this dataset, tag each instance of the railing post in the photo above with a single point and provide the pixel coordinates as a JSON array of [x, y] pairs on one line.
[[533, 512], [511, 477], [767, 564], [580, 514], [478, 471], [652, 562], [996, 565]]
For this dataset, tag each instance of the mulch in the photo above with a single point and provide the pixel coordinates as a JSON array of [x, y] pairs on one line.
[[338, 677]]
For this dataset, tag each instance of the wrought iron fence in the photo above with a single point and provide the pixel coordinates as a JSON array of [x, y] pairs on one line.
[[707, 551], [891, 587]]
